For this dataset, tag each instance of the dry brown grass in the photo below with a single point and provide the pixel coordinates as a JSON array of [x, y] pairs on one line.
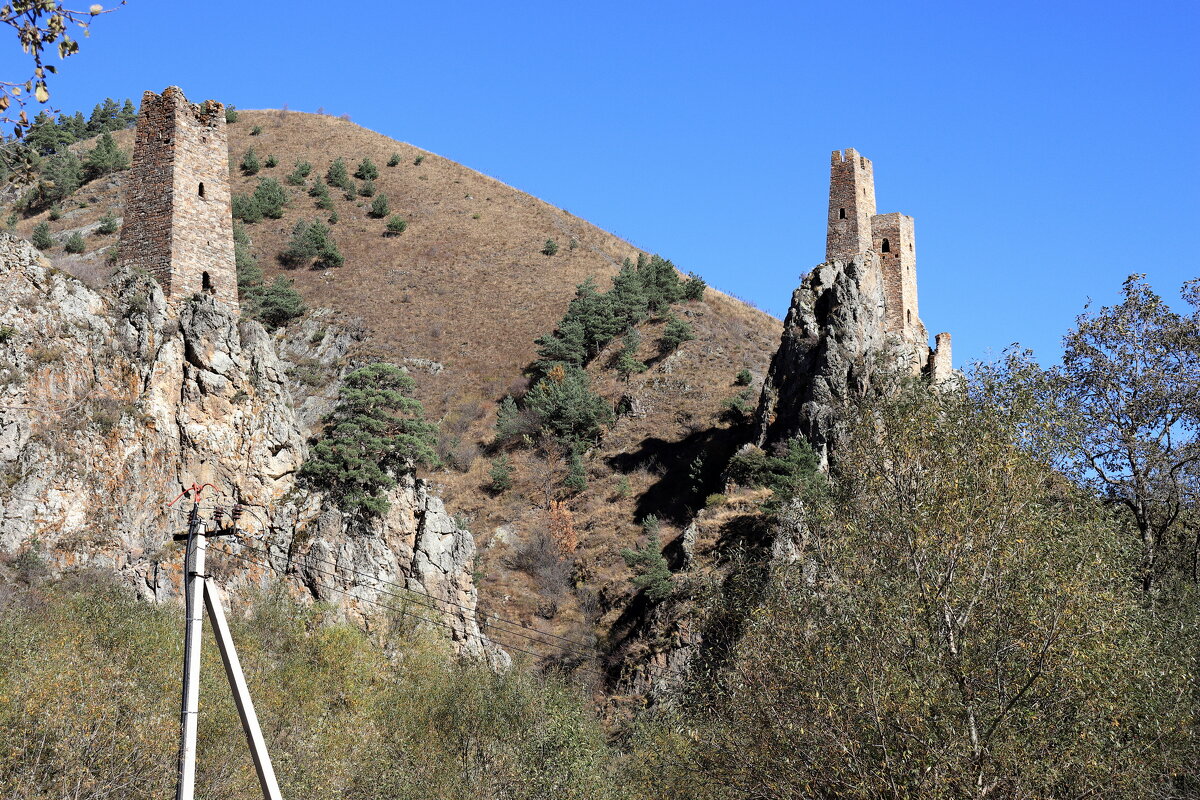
[[467, 285]]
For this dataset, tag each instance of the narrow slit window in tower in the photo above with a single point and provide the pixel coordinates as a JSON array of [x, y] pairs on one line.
[[206, 283], [841, 213], [887, 248], [909, 312], [202, 190]]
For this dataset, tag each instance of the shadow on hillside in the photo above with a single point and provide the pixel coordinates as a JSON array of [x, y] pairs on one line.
[[682, 484]]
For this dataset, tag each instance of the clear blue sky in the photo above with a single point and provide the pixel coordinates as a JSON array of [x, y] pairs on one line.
[[1046, 149]]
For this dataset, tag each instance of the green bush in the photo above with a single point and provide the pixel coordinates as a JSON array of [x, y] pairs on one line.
[[380, 206], [270, 197], [256, 130], [271, 162], [626, 362], [367, 189], [367, 171], [375, 432], [108, 224], [41, 236], [246, 208], [564, 404], [576, 479], [55, 213], [337, 175], [334, 219], [550, 247], [231, 114], [743, 378], [250, 164], [280, 304], [674, 334], [794, 467], [296, 176], [500, 473], [104, 158], [693, 288], [396, 225], [394, 160], [321, 192], [75, 243], [7, 332], [311, 245], [417, 161], [650, 570]]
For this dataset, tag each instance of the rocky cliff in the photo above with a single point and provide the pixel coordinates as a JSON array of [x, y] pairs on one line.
[[113, 401], [835, 348]]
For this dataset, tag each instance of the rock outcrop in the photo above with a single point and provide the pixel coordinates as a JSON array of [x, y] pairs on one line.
[[112, 402]]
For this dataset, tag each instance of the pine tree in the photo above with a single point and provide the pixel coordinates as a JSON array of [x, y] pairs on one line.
[[367, 189], [500, 473], [576, 479], [376, 431], [246, 208], [337, 175], [250, 165], [312, 245], [128, 114], [270, 197], [75, 243], [626, 362], [674, 334], [394, 160], [231, 115], [651, 573], [280, 304], [550, 247], [366, 171], [104, 158], [379, 206], [108, 224], [396, 225], [41, 236]]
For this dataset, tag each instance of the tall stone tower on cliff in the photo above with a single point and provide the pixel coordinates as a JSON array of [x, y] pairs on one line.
[[888, 240], [177, 205]]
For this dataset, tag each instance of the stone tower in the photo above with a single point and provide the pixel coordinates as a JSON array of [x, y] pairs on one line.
[[892, 238], [851, 205], [178, 225]]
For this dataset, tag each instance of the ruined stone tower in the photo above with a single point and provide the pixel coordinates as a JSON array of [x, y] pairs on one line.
[[177, 205], [889, 244]]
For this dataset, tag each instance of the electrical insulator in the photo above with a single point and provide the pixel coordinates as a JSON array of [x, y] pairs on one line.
[[218, 515], [237, 512]]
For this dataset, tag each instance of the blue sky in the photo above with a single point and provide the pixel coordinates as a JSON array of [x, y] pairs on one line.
[[1046, 150]]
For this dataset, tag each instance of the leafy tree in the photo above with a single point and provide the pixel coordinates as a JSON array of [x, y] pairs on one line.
[[279, 304], [41, 236], [550, 247], [337, 175], [250, 164], [270, 197], [312, 245], [949, 626], [376, 431], [108, 224], [367, 171], [394, 160], [1120, 415], [396, 225], [104, 158], [651, 573], [75, 243], [674, 334], [380, 207]]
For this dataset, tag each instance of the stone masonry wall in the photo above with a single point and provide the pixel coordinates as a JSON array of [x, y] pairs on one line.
[[177, 221], [851, 205], [899, 264]]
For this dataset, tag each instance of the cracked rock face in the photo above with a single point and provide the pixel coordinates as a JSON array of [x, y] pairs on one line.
[[833, 336], [112, 402]]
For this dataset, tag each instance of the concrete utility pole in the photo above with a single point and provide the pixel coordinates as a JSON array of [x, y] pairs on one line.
[[197, 587]]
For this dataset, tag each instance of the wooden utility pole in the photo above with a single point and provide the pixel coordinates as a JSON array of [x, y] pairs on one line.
[[198, 588]]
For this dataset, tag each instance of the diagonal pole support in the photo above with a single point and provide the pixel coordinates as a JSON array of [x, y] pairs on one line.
[[241, 695]]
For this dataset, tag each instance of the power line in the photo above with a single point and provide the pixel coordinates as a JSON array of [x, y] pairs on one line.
[[477, 613], [406, 612], [583, 653]]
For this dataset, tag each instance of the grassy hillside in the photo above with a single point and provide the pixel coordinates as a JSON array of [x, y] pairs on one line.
[[467, 286]]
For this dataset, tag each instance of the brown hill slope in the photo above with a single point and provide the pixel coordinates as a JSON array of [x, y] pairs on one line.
[[467, 286]]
